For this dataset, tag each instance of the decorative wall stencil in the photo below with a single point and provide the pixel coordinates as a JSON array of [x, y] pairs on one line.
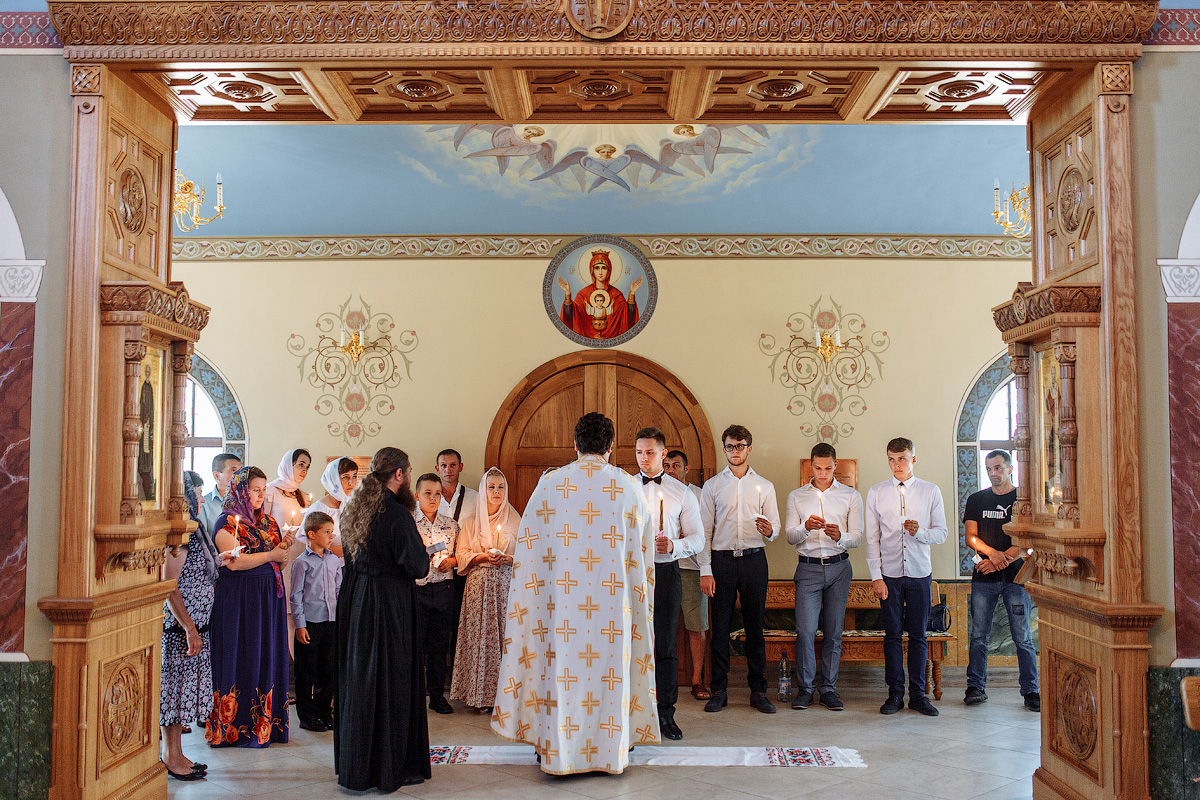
[[600, 290], [826, 372], [355, 363], [588, 157], [280, 248]]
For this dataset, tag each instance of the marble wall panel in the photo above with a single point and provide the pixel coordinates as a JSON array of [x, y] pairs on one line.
[[1174, 750], [16, 385], [1183, 346]]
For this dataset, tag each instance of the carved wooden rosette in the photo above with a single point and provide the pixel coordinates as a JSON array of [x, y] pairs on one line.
[[1054, 319], [142, 318]]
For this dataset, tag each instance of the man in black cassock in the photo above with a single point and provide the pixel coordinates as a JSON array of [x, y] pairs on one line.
[[382, 734]]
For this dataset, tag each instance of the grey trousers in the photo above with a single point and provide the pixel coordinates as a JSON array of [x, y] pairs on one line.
[[817, 586]]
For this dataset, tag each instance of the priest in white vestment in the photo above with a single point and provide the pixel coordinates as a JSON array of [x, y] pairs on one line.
[[577, 680]]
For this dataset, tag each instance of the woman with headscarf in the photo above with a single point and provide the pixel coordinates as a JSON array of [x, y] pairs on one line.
[[484, 553], [382, 735], [339, 479], [186, 663], [249, 648], [286, 503]]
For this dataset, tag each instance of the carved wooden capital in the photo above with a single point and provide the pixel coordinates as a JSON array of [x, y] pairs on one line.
[[86, 79], [1030, 305], [1116, 78], [135, 350], [167, 307]]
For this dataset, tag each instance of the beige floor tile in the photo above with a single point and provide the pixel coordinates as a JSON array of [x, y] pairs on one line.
[[935, 780], [258, 777], [1017, 790], [992, 760], [776, 783]]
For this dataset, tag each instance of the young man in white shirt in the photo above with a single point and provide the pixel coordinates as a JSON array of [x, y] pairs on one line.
[[740, 514], [678, 533], [824, 519], [459, 503], [905, 516], [695, 602]]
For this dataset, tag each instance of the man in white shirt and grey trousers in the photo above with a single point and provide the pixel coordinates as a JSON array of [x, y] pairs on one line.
[[905, 516], [824, 519]]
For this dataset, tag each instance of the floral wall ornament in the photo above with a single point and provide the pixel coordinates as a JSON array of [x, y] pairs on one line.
[[355, 382], [826, 370]]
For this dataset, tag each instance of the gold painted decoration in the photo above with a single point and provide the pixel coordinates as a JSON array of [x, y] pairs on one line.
[[355, 363], [825, 373]]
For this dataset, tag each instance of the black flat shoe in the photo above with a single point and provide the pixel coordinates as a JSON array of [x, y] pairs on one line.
[[198, 767], [194, 775]]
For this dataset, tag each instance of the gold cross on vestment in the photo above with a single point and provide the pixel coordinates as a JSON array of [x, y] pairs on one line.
[[612, 584], [640, 592], [633, 632], [589, 654], [612, 490], [567, 728], [535, 584], [591, 512], [630, 562], [565, 583], [611, 680], [612, 632], [541, 630], [647, 733], [549, 558], [566, 487], [590, 465], [513, 687], [501, 717], [633, 517], [565, 631], [550, 654], [522, 729], [589, 608], [634, 705], [567, 680], [610, 726], [590, 560], [534, 702], [527, 657], [588, 750], [528, 538], [566, 534], [518, 613], [645, 662], [612, 537], [545, 512], [590, 704]]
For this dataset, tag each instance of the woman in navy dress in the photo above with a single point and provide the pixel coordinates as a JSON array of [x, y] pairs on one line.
[[249, 622]]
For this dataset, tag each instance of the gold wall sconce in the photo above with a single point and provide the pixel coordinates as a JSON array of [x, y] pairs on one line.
[[188, 204], [1018, 201]]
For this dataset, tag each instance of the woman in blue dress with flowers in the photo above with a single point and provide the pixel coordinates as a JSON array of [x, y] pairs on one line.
[[249, 621]]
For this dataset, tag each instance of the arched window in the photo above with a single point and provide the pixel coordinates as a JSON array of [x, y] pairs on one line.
[[986, 422], [213, 418]]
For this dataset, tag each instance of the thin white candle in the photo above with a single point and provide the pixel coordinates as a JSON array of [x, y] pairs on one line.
[[902, 511], [220, 191]]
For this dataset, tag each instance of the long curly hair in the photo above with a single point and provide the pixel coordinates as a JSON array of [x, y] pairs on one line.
[[367, 500]]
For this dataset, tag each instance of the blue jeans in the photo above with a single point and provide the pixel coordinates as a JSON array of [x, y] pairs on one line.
[[906, 610], [983, 606]]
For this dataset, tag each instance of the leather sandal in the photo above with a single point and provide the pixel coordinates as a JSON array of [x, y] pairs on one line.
[[699, 692]]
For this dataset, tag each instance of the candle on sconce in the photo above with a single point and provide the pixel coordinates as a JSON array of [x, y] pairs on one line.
[[220, 192], [997, 191]]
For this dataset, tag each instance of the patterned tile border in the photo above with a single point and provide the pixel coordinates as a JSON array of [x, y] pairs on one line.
[[31, 29], [1176, 26], [815, 246], [27, 29]]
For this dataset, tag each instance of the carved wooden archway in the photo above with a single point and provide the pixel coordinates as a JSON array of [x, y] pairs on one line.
[[140, 67], [533, 428]]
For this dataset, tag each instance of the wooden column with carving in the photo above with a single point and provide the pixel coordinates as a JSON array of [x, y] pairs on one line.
[[1073, 334], [129, 339]]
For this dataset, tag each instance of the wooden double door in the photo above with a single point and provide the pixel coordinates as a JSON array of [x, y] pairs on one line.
[[534, 429]]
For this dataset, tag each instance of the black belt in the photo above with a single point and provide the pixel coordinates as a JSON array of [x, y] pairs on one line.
[[826, 560], [749, 551]]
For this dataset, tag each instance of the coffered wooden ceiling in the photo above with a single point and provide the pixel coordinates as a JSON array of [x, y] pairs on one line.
[[562, 61]]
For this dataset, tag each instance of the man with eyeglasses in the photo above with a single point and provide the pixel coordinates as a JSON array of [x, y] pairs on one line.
[[739, 511]]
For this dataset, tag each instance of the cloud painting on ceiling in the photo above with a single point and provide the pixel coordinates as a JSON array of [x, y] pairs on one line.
[[362, 180]]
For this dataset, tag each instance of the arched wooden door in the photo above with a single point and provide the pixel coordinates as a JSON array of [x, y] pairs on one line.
[[533, 430]]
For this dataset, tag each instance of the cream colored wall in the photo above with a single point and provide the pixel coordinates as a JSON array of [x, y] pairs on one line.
[[483, 327], [1166, 140], [35, 146]]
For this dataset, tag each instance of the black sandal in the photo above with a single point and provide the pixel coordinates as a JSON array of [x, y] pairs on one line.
[[194, 775]]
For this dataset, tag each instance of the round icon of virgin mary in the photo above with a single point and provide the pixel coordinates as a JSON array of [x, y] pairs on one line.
[[600, 290]]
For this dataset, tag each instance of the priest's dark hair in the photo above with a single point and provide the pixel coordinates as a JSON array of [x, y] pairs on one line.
[[823, 450], [652, 433], [594, 434], [367, 501]]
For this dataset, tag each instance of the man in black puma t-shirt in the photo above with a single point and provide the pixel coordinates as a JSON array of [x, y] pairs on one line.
[[986, 513]]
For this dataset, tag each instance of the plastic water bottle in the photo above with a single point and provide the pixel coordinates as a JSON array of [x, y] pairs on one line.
[[785, 680]]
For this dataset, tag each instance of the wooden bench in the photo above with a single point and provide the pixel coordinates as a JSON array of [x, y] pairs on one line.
[[857, 645]]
